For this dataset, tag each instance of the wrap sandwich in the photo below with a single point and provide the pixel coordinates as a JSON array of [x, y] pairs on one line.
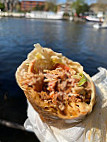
[[56, 87]]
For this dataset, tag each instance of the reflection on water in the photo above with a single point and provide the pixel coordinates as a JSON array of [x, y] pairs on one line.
[[80, 42]]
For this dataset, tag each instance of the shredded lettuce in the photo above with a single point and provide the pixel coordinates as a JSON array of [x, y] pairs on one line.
[[82, 80], [27, 64]]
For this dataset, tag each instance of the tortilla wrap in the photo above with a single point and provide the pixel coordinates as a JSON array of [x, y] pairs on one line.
[[39, 60]]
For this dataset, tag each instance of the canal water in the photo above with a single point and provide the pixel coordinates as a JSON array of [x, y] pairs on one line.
[[78, 41]]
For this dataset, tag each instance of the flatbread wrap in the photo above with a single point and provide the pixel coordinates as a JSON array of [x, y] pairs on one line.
[[56, 87]]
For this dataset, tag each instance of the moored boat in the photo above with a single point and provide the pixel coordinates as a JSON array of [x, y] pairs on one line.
[[94, 19], [44, 15]]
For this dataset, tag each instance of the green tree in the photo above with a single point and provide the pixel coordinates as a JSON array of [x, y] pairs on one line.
[[80, 7], [50, 6], [18, 7], [2, 7], [39, 7]]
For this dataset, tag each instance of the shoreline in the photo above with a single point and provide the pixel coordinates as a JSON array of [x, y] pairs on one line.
[[12, 14], [23, 15]]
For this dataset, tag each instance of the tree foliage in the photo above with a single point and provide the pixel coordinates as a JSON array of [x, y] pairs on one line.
[[39, 7], [18, 7], [2, 7], [66, 15], [50, 6], [80, 7]]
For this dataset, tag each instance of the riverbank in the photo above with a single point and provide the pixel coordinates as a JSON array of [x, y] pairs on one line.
[[41, 15], [12, 14]]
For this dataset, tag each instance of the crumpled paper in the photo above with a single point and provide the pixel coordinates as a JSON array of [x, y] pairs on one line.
[[92, 129]]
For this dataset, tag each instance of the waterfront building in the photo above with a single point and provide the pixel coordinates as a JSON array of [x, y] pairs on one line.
[[65, 8], [27, 5]]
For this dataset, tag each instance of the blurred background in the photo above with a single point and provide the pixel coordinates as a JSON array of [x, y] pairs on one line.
[[76, 28]]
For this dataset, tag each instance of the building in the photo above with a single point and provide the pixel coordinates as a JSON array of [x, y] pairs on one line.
[[96, 7], [65, 8], [27, 5]]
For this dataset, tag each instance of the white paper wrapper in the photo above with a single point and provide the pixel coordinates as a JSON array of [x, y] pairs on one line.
[[92, 129]]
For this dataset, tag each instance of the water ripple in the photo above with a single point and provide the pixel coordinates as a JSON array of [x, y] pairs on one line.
[[79, 42]]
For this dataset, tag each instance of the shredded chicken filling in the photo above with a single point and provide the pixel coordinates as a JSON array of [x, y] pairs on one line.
[[59, 86]]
